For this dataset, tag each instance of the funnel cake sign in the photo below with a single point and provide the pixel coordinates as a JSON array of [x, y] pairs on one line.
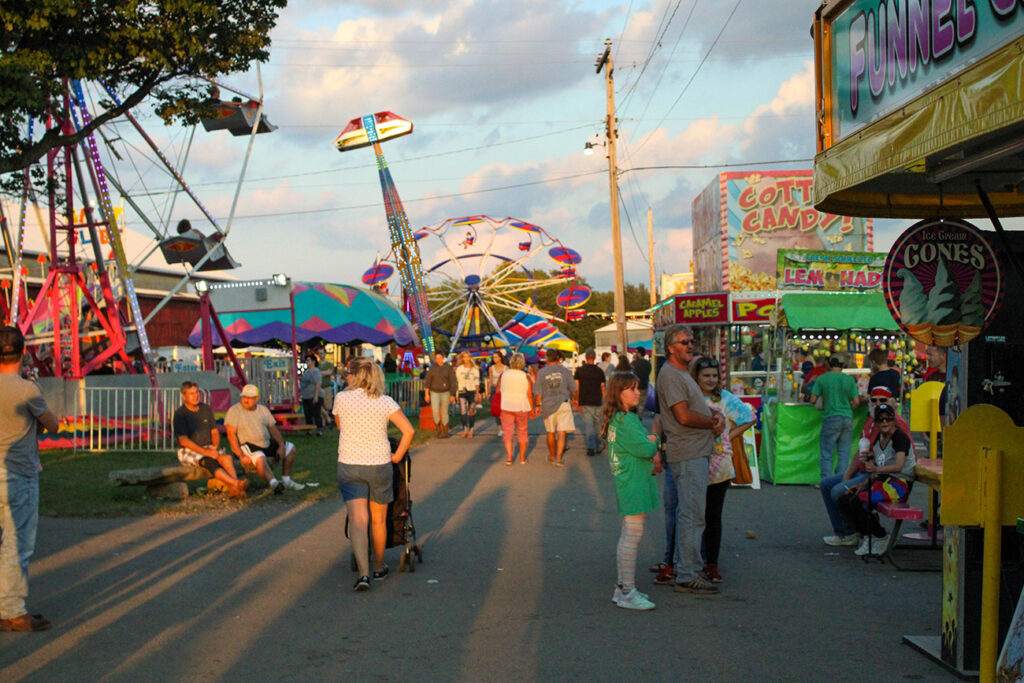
[[943, 282]]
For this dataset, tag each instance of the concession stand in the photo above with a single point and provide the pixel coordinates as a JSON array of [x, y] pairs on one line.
[[931, 127], [740, 222], [845, 323]]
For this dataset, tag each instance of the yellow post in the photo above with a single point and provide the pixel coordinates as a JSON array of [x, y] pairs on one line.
[[991, 474]]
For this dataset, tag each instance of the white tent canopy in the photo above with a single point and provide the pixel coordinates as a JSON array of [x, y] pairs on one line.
[[636, 331]]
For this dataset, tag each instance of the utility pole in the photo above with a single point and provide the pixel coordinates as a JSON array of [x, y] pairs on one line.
[[605, 62], [654, 297], [650, 254]]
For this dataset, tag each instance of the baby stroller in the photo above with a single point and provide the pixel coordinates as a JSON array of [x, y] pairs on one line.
[[400, 528]]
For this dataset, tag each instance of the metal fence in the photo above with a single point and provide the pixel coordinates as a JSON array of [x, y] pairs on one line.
[[273, 375], [406, 392], [127, 418]]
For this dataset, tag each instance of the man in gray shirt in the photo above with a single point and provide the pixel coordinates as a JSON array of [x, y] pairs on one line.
[[690, 432], [22, 412], [556, 393]]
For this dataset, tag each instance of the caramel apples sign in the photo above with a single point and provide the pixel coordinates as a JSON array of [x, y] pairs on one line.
[[943, 281]]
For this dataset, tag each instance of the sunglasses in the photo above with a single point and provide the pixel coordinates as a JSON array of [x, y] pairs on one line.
[[705, 363], [688, 342], [880, 420], [879, 400]]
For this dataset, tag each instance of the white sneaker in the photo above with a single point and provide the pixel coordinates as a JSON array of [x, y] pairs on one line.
[[863, 548], [634, 599], [619, 595], [880, 545], [499, 432], [849, 539], [293, 485]]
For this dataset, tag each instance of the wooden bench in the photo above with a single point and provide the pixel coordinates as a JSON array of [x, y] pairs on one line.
[[900, 512]]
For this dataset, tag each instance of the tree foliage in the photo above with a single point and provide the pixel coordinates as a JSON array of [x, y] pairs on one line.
[[138, 48]]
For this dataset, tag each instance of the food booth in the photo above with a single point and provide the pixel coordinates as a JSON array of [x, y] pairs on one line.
[[846, 323], [932, 128], [740, 222]]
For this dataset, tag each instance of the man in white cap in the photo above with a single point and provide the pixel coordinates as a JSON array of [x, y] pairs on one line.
[[254, 437]]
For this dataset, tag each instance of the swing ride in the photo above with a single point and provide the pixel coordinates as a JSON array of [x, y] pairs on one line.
[[86, 314]]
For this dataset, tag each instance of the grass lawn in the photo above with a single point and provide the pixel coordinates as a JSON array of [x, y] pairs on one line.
[[76, 485]]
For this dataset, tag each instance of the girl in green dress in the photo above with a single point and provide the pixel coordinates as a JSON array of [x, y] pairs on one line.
[[633, 455]]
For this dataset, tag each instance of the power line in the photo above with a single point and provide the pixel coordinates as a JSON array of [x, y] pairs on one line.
[[728, 20], [654, 90], [699, 166], [629, 221], [399, 161], [486, 190]]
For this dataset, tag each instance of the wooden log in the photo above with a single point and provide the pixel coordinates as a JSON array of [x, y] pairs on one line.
[[149, 476], [176, 490]]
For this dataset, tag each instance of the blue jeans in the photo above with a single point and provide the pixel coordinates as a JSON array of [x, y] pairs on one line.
[[832, 489], [671, 503], [591, 426], [836, 433], [691, 479], [19, 517]]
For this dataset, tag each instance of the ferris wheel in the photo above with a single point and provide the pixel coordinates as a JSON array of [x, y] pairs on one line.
[[484, 276]]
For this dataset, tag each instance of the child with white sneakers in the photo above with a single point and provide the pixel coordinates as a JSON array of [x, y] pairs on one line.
[[634, 459]]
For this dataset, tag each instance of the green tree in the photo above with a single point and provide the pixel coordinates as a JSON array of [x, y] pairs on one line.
[[138, 48]]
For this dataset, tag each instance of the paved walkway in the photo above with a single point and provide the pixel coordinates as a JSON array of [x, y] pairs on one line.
[[516, 585]]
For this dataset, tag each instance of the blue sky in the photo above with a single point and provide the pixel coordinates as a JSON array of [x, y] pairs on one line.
[[505, 94]]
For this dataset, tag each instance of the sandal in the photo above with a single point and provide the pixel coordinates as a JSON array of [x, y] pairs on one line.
[[508, 462]]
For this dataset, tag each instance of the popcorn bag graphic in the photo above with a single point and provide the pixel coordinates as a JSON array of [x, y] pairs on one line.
[[943, 282]]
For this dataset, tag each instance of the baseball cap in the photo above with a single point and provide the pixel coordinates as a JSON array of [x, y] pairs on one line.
[[250, 391], [886, 410], [836, 362]]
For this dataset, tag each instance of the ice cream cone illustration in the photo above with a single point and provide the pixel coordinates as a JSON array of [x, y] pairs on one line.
[[944, 335], [965, 333]]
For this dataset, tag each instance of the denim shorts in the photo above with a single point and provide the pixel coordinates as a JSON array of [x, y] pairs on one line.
[[366, 481]]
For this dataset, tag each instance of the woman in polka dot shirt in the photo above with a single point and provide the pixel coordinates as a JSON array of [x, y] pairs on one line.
[[362, 413]]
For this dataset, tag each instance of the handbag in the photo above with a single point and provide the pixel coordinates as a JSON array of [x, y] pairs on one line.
[[740, 464]]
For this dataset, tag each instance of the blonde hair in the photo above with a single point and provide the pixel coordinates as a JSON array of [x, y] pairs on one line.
[[367, 375], [463, 356], [518, 362]]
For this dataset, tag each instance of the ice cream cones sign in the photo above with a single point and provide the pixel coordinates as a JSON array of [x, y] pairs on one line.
[[943, 281]]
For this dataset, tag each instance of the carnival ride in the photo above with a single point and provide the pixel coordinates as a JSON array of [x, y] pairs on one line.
[[373, 129], [86, 314], [486, 280]]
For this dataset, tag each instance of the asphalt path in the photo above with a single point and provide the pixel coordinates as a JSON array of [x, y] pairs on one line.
[[516, 584]]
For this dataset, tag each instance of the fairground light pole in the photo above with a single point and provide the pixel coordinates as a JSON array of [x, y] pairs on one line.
[[605, 61]]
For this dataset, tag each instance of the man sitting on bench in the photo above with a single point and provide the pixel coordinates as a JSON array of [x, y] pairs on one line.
[[255, 438], [198, 440]]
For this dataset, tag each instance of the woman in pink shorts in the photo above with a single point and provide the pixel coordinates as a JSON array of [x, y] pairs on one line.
[[516, 403]]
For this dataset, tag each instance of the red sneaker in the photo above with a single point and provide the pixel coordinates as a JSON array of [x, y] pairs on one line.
[[666, 577], [711, 571]]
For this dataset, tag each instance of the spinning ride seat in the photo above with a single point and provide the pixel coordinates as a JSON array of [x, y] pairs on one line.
[[237, 118], [192, 246]]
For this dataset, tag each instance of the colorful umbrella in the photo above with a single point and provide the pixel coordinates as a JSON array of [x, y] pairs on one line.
[[531, 329], [337, 314]]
